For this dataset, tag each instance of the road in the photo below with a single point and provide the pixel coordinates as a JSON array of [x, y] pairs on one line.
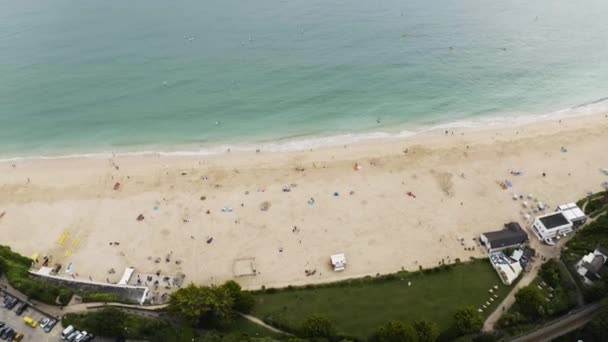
[[563, 325]]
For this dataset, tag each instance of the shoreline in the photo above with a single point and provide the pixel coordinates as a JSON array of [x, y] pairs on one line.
[[307, 142], [373, 219]]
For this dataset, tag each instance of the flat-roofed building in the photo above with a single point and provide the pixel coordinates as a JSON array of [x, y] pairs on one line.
[[573, 213], [552, 225]]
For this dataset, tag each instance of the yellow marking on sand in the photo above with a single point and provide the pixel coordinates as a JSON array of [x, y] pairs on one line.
[[75, 242], [68, 253], [62, 237]]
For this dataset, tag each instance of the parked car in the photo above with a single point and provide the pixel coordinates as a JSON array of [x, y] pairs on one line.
[[1, 324], [80, 336], [11, 302], [4, 329], [11, 334], [66, 332], [71, 337], [7, 333], [21, 308], [43, 321], [30, 321], [50, 325], [18, 337]]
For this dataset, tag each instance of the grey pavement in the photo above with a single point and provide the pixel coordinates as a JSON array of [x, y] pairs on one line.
[[37, 334]]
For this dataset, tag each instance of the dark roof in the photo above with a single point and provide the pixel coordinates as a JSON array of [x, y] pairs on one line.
[[513, 226], [595, 265], [512, 235], [555, 220], [602, 250]]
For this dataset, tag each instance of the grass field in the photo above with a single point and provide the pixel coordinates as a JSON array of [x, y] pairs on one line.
[[244, 326], [359, 307]]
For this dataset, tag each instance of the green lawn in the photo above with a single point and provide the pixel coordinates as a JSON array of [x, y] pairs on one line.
[[246, 327], [359, 307]]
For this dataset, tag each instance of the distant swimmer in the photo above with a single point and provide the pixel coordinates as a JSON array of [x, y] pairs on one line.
[[378, 120], [165, 84], [217, 123], [250, 38]]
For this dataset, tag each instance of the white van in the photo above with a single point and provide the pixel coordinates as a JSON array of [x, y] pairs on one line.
[[67, 331]]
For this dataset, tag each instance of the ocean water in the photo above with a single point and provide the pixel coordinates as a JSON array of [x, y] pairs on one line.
[[90, 76]]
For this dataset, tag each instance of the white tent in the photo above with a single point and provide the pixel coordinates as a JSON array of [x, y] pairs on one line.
[[126, 276], [338, 261]]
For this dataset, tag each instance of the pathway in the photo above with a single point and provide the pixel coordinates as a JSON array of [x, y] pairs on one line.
[[548, 252], [563, 325], [261, 323]]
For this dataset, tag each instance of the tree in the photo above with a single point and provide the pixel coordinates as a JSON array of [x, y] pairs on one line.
[[468, 320], [549, 271], [427, 331], [395, 331], [243, 301], [317, 325], [203, 305], [106, 322], [598, 327], [530, 301]]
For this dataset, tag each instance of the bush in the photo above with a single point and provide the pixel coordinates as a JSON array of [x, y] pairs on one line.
[[468, 321], [111, 322], [90, 297], [243, 301], [395, 331], [317, 325], [550, 273], [530, 302], [16, 268], [510, 319]]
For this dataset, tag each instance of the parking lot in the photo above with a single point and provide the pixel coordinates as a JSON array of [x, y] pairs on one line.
[[10, 318]]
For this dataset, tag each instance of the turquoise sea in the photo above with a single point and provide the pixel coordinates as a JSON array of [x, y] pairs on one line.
[[84, 76]]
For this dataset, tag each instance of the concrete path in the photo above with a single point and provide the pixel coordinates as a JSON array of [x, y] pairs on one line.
[[261, 323], [549, 252]]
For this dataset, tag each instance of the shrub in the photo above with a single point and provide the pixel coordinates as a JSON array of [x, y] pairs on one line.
[[530, 302], [89, 297], [394, 331], [317, 325], [468, 321]]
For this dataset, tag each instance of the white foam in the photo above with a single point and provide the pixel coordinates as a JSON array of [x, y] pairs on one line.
[[307, 143]]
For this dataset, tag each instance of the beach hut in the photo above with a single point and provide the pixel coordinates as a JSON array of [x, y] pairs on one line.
[[338, 262]]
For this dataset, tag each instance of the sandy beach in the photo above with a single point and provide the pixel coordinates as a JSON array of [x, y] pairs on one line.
[[214, 215]]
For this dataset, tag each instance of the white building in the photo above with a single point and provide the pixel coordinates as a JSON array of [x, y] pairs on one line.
[[590, 266], [338, 262], [559, 223], [573, 213], [549, 226], [508, 270]]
